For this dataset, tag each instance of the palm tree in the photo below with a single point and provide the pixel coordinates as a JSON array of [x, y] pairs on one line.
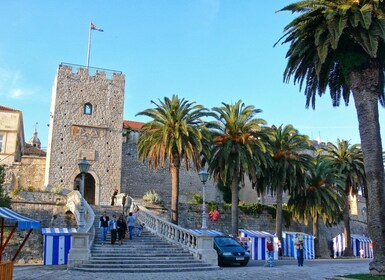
[[339, 44], [237, 150], [323, 197], [289, 164], [348, 160], [174, 136]]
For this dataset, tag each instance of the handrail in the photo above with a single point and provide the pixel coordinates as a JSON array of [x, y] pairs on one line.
[[173, 233], [73, 205]]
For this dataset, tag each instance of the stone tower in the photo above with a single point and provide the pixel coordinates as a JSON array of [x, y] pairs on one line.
[[86, 121]]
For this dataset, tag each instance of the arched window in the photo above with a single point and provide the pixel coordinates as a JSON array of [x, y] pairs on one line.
[[88, 109]]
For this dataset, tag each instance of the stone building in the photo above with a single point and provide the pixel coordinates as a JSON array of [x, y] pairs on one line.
[[86, 119], [11, 135]]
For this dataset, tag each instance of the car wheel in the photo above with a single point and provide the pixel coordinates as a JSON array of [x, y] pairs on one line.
[[220, 261], [243, 264]]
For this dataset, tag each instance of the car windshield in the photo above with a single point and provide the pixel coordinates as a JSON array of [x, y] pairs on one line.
[[226, 242]]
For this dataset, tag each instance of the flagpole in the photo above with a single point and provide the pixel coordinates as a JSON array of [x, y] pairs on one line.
[[89, 47]]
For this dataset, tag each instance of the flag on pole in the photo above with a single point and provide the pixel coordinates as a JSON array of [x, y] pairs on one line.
[[94, 27]]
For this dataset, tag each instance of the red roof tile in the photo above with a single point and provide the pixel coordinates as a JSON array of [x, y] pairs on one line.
[[3, 108], [133, 125]]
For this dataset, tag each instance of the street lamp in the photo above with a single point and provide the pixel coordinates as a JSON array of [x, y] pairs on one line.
[[203, 176], [84, 166]]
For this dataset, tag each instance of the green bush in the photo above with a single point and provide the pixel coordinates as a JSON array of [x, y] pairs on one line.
[[5, 200], [153, 197], [251, 209], [196, 198]]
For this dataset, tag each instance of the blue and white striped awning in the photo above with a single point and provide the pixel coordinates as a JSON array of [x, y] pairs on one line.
[[58, 231], [361, 238], [210, 232], [256, 233], [22, 222]]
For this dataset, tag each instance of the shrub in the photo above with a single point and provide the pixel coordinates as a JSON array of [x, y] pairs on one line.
[[153, 197], [5, 200], [251, 209], [197, 198]]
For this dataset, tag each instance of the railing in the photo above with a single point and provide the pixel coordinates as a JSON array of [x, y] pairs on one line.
[[73, 205], [169, 231]]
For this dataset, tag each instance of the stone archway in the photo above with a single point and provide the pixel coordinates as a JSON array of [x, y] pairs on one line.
[[89, 187]]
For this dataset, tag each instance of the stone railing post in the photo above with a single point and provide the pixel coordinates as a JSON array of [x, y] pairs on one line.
[[80, 251], [205, 249]]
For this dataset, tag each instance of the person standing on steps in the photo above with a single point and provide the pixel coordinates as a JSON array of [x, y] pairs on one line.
[[124, 200], [113, 197], [103, 225], [114, 229], [122, 228], [131, 225]]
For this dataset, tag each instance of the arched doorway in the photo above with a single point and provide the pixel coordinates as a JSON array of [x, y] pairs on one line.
[[89, 187]]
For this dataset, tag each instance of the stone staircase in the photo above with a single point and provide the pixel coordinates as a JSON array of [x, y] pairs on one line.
[[147, 253]]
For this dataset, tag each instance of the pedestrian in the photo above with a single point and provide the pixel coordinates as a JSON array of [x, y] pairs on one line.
[[103, 225], [140, 229], [114, 196], [114, 229], [298, 242], [136, 212], [124, 200], [131, 225], [122, 228], [270, 252]]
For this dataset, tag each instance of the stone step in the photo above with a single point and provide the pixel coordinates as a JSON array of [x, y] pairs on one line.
[[145, 265], [145, 258], [146, 261], [145, 270], [142, 255], [147, 253]]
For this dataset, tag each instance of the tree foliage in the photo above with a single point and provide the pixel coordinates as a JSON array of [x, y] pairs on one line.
[[5, 200], [174, 136]]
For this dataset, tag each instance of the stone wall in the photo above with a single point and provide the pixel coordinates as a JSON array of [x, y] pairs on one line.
[[137, 179], [31, 172], [86, 121], [49, 209]]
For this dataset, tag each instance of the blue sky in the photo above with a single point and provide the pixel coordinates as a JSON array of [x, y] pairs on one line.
[[207, 51]]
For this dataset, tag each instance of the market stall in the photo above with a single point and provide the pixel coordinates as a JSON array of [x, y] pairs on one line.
[[289, 247], [361, 245], [255, 242]]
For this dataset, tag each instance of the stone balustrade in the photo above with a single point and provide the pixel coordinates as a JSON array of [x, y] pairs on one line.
[[201, 246], [81, 241]]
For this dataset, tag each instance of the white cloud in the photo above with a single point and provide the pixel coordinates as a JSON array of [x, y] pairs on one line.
[[16, 93], [11, 84]]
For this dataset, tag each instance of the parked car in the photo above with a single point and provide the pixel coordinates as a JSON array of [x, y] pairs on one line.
[[230, 251]]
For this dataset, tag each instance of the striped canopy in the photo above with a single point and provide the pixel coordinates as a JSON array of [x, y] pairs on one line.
[[58, 231], [256, 233], [22, 222], [210, 232]]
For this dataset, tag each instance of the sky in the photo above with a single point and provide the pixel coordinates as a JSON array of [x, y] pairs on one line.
[[206, 51]]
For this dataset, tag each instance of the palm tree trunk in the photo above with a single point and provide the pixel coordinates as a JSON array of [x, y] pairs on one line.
[[174, 194], [234, 205], [346, 215], [278, 215], [316, 234], [365, 85]]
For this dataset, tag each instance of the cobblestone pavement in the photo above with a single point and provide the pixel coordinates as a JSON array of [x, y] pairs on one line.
[[283, 269]]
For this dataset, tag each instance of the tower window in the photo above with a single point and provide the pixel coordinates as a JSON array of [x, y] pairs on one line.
[[88, 109]]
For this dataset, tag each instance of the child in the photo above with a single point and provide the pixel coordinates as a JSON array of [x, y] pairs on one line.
[[140, 228], [270, 252]]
